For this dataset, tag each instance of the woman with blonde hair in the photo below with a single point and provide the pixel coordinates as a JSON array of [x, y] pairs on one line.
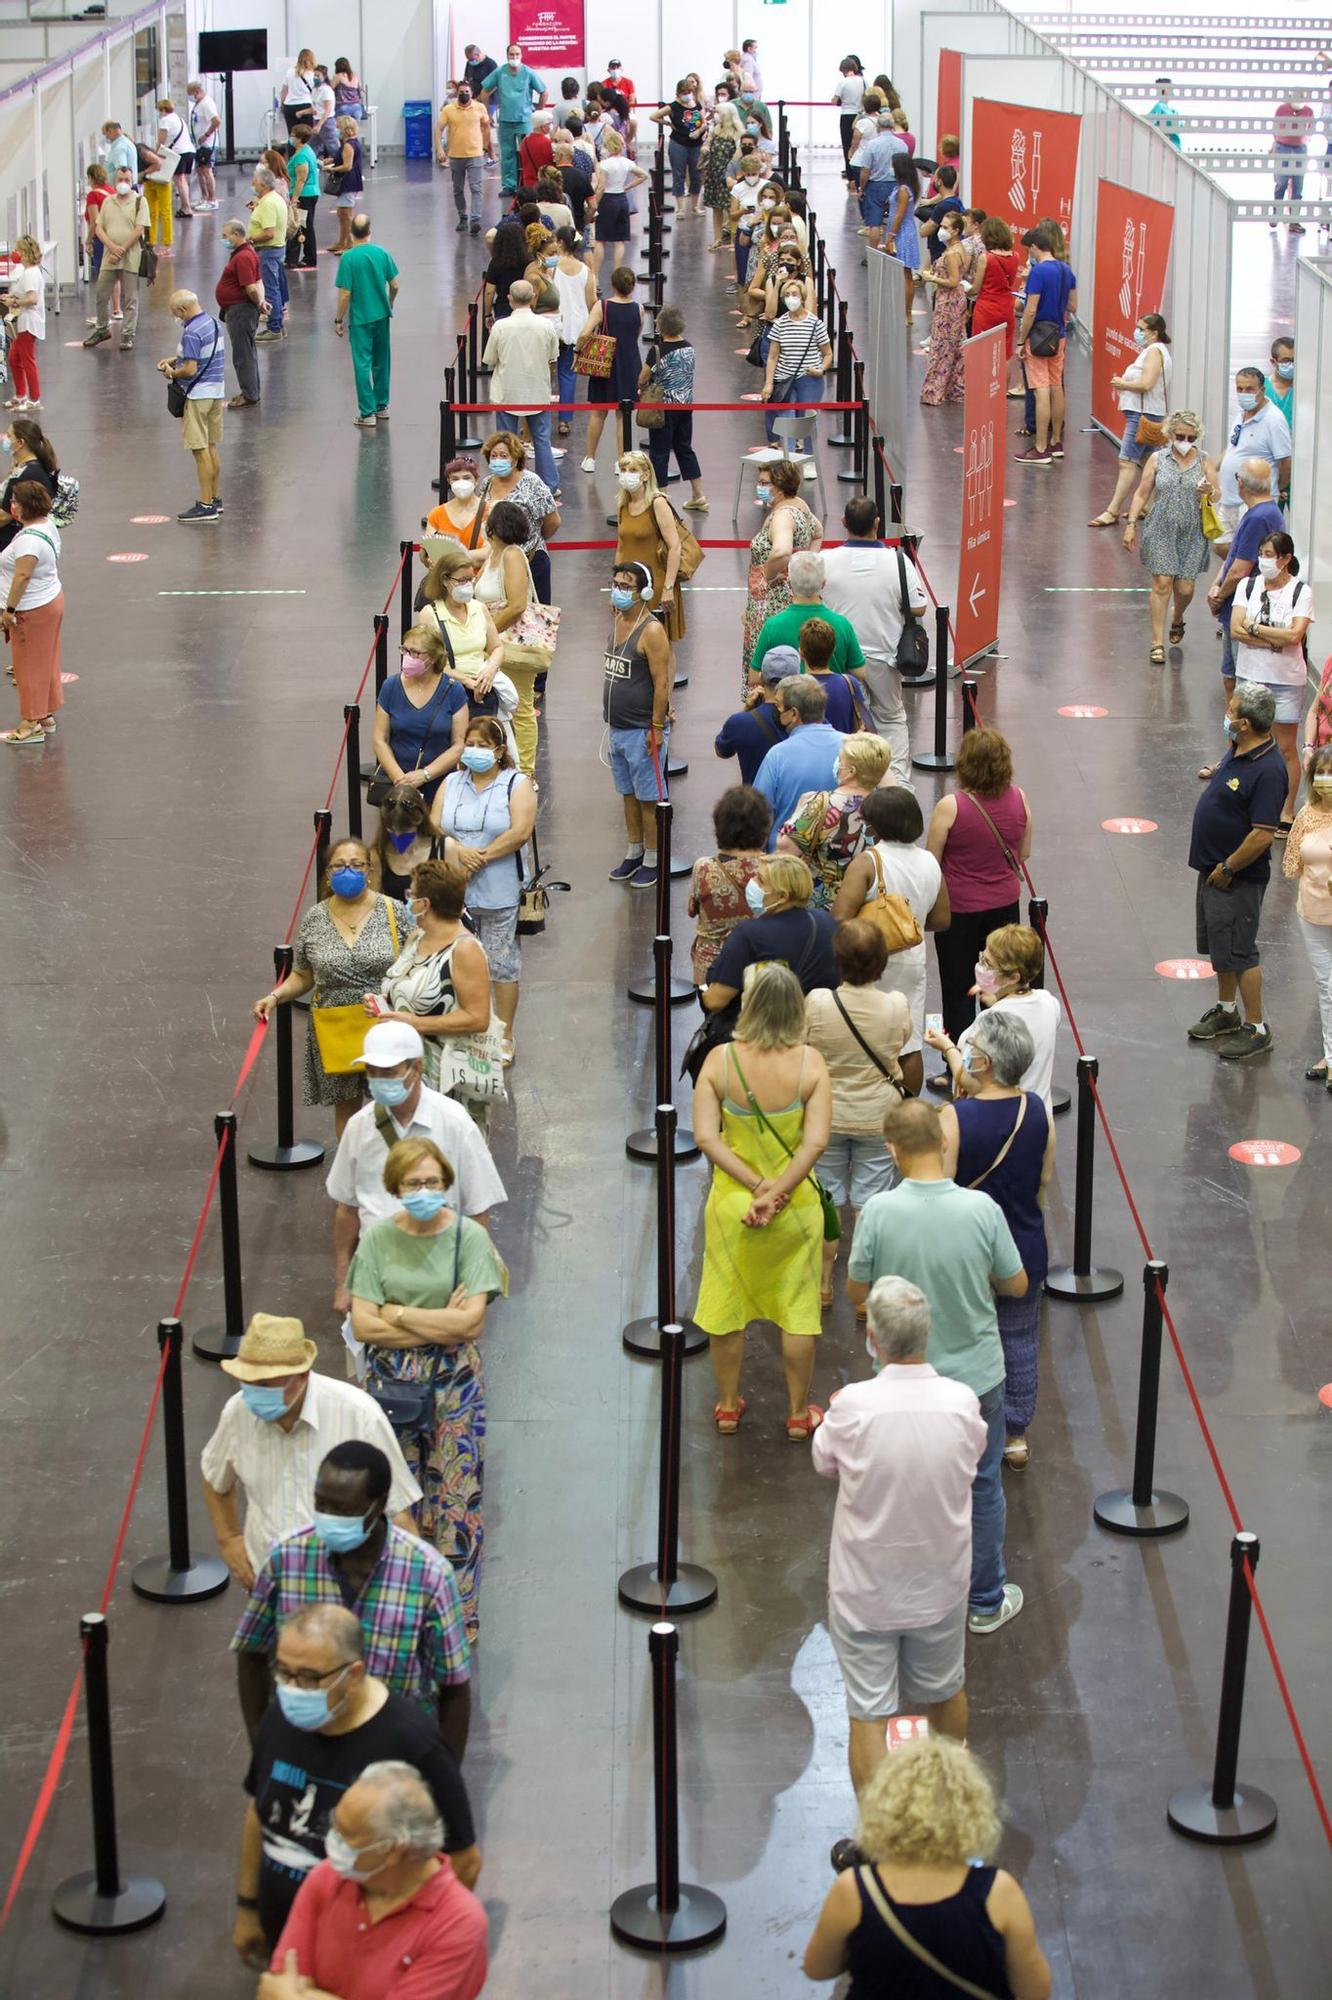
[[439, 983], [826, 827], [616, 174], [421, 715], [464, 623], [922, 1913], [1008, 977], [1174, 550], [782, 924], [725, 134], [789, 525], [762, 1115], [349, 168], [647, 533], [27, 304]]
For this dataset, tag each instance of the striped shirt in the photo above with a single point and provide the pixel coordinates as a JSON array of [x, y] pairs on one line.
[[799, 344], [409, 1610], [277, 1467]]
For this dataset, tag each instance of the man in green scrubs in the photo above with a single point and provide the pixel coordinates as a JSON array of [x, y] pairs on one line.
[[367, 287], [517, 88]]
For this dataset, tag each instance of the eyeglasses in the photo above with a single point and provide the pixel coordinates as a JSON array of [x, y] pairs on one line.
[[435, 1186], [306, 1677]]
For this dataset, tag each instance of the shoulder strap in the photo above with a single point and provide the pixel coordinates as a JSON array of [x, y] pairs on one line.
[[384, 1125], [443, 631], [754, 1105], [1006, 1148], [774, 736], [392, 924], [902, 585], [1009, 855], [869, 1882], [476, 525], [882, 1067]]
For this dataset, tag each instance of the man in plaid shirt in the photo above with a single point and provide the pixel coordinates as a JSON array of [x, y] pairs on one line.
[[402, 1591]]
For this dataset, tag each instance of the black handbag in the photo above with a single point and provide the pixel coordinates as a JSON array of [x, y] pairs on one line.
[[714, 1030], [913, 646], [534, 893], [410, 1406], [178, 393]]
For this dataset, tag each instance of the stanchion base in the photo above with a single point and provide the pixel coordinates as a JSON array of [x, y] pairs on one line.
[[676, 767], [680, 681], [694, 1589], [469, 444], [843, 440], [680, 868], [214, 1343], [917, 680], [932, 761], [643, 1145], [645, 991], [1060, 1100], [1099, 1283], [698, 1919], [1164, 1513], [139, 1901], [280, 1159], [642, 1336], [1192, 1813], [850, 478], [154, 1578]]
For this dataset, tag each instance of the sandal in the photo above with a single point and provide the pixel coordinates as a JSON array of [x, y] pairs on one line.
[[826, 1296], [1104, 521], [1316, 1073], [19, 737], [728, 1421], [1016, 1454], [562, 430], [799, 1429], [1157, 656], [506, 1053], [1177, 631], [699, 506]]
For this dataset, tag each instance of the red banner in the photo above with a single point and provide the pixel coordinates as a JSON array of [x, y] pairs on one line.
[[548, 31], [948, 116], [981, 553], [1023, 162], [1132, 251]]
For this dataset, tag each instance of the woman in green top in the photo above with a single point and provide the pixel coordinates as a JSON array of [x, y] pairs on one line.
[[303, 182], [420, 1283]]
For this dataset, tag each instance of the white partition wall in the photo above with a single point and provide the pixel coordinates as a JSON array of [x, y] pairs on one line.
[[1311, 464], [983, 32]]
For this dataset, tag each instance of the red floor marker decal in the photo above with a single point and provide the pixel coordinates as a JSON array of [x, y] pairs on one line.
[[1082, 712], [1185, 968], [130, 555], [65, 679], [1128, 826], [1325, 1395], [752, 396], [1010, 503], [1264, 1153], [148, 520]]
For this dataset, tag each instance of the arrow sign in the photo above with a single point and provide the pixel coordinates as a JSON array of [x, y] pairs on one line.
[[976, 592], [980, 550]]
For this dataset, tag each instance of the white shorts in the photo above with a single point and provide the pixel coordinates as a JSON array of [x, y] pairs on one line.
[[930, 1662]]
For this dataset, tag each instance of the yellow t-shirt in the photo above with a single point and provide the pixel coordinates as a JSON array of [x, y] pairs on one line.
[[270, 212], [466, 129]]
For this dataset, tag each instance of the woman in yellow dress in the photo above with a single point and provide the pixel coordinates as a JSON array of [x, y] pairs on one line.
[[763, 1115]]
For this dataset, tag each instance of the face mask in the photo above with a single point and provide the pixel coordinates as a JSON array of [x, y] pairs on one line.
[[262, 1400], [968, 1061], [1139, 337], [514, 62], [501, 467], [464, 97], [764, 495], [412, 668], [550, 262], [477, 758], [341, 1533], [462, 591], [986, 978], [754, 896], [1268, 567], [462, 489], [621, 599], [1323, 785], [687, 100], [1230, 728], [794, 301], [423, 1204], [614, 69], [6, 444], [389, 1089], [344, 1859], [630, 481], [1285, 369], [753, 132], [124, 187], [1182, 445], [402, 841], [304, 1708], [1247, 399], [768, 201], [347, 881], [873, 1354]]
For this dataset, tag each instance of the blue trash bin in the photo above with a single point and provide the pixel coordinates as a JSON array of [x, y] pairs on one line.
[[417, 118]]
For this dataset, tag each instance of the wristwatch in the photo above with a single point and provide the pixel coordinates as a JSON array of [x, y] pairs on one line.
[[1226, 870], [247, 1902]]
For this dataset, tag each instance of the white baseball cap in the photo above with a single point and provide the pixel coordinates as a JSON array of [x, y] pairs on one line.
[[389, 1043]]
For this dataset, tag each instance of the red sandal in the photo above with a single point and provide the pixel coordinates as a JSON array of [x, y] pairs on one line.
[[798, 1429], [728, 1421]]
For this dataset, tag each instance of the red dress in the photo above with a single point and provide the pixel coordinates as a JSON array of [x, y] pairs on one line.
[[994, 301]]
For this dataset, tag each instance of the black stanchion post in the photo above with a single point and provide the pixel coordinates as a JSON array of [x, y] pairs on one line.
[[668, 1584], [220, 1343], [642, 1145], [177, 1577], [473, 351], [895, 513], [406, 588], [938, 759], [1225, 1814], [448, 432], [1143, 1511], [645, 990], [626, 423], [289, 1150], [102, 1902], [847, 434], [783, 143], [643, 1336], [857, 472], [970, 713], [370, 765], [880, 483], [351, 713], [666, 1914], [323, 826], [1084, 1282], [1038, 910], [467, 393]]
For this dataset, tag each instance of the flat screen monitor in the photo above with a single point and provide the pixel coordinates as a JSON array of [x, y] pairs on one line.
[[223, 49]]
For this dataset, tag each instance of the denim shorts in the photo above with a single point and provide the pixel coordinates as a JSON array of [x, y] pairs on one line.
[[855, 1165], [1289, 700], [1130, 450], [633, 767], [874, 202]]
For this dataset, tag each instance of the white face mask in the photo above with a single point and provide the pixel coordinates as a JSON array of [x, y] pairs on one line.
[[1182, 445], [794, 301], [630, 481], [463, 592], [462, 489], [768, 201], [1268, 567]]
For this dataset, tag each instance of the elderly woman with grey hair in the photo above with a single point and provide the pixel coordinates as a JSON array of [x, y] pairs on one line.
[[1000, 1139]]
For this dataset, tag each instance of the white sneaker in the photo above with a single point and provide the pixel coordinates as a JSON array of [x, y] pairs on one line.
[[990, 1621], [588, 465]]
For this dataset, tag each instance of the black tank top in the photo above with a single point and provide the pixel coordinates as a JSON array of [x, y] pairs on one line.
[[626, 701], [955, 1930]]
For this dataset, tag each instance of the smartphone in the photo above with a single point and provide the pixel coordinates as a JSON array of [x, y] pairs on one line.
[[934, 1024]]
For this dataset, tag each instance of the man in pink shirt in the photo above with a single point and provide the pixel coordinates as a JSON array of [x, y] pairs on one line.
[[384, 1917], [1292, 130], [904, 1448]]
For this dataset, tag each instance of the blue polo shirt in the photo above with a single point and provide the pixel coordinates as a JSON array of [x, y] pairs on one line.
[[1255, 525], [513, 91], [748, 736], [1261, 433], [1051, 284], [1246, 790], [876, 156], [806, 762]]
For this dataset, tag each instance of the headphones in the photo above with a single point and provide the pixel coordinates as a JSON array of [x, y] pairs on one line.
[[644, 575]]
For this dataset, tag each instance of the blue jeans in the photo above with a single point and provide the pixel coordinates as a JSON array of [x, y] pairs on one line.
[[684, 161], [273, 271], [567, 380], [804, 389], [989, 1509], [538, 422], [1291, 184]]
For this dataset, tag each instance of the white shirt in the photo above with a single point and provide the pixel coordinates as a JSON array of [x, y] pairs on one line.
[[904, 1449], [356, 1178], [1260, 663], [30, 278], [1154, 402], [325, 103], [43, 586], [175, 128], [277, 1468], [203, 116], [850, 93], [863, 584], [915, 875], [1040, 1014], [299, 89]]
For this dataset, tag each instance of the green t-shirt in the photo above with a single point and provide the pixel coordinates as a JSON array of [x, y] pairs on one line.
[[950, 1241], [365, 271], [391, 1267], [304, 157], [783, 629]]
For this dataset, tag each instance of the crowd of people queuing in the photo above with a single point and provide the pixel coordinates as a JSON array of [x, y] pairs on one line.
[[360, 1541]]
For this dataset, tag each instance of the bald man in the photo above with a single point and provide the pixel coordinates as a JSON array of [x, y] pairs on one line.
[[199, 364], [367, 289]]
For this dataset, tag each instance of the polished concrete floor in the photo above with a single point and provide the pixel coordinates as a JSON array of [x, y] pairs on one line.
[[151, 854]]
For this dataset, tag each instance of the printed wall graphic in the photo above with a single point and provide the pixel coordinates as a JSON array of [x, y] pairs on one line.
[[1023, 162], [1132, 256], [548, 31], [981, 548]]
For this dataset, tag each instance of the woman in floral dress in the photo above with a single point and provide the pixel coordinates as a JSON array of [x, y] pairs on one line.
[[740, 819], [788, 527], [420, 1283], [826, 829], [948, 329]]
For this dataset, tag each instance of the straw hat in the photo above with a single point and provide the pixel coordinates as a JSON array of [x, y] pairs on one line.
[[272, 1347]]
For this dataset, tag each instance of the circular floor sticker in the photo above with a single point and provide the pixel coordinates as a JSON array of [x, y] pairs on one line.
[[752, 396], [1325, 1395], [1083, 712], [1128, 826], [1010, 503], [130, 555], [1264, 1153], [148, 520], [1185, 968], [65, 679]]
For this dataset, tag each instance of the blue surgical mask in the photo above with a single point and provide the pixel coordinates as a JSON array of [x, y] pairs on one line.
[[262, 1400], [1139, 337], [874, 1360], [621, 599], [1231, 731], [764, 495], [752, 129], [501, 467], [341, 1533], [6, 443], [388, 1089], [347, 882], [402, 841], [1285, 369], [424, 1204], [968, 1063], [476, 758], [1247, 399], [305, 1708], [754, 896]]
